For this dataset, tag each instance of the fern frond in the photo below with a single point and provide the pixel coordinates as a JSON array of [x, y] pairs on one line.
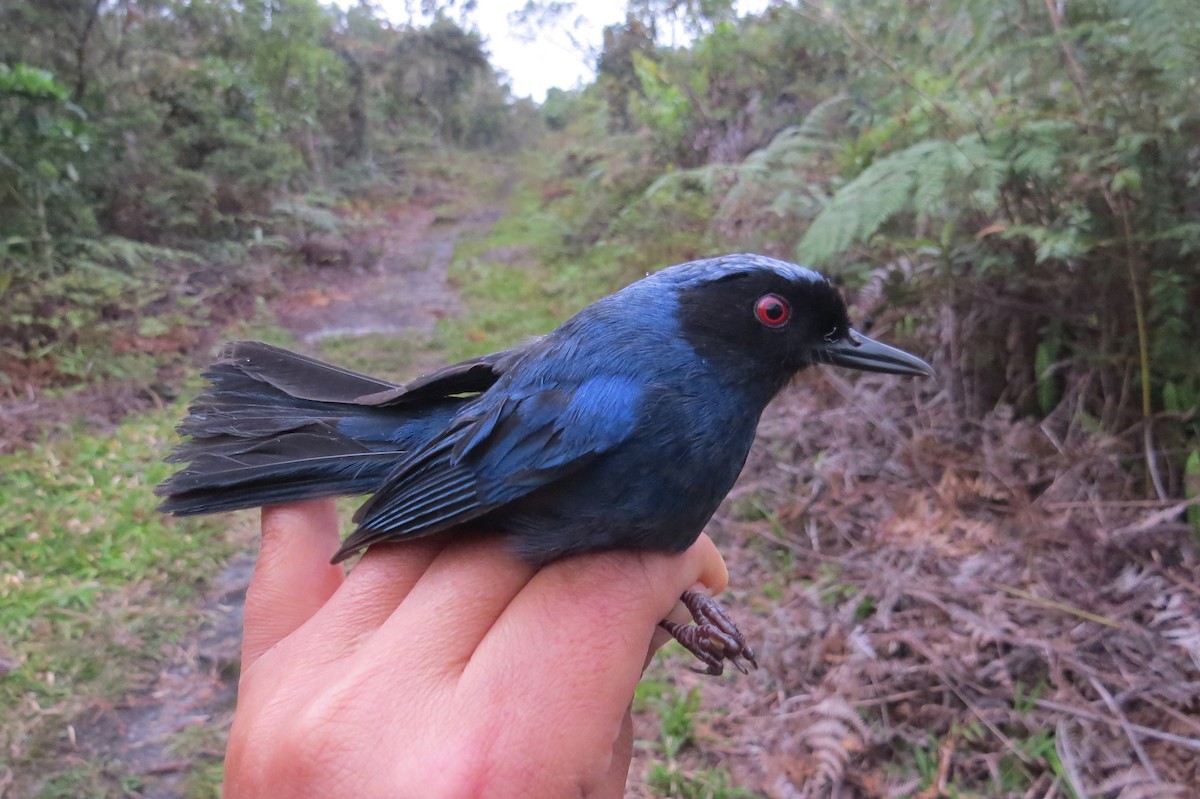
[[1137, 783], [125, 255], [775, 178], [833, 737], [306, 216], [1171, 26], [929, 178], [820, 124], [705, 178]]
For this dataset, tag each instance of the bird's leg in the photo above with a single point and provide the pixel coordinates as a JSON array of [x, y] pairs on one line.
[[714, 638]]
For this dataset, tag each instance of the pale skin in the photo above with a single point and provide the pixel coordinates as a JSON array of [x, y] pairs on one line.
[[444, 667]]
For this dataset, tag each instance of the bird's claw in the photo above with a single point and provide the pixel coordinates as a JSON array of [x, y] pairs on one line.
[[713, 639]]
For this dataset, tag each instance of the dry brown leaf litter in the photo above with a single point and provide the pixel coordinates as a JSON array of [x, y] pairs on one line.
[[948, 605]]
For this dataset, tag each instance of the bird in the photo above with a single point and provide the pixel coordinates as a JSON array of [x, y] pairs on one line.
[[623, 428]]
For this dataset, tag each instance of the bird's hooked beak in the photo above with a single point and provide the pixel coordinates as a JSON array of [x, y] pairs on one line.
[[857, 351]]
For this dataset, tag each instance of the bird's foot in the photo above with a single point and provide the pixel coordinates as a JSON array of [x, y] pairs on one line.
[[714, 638]]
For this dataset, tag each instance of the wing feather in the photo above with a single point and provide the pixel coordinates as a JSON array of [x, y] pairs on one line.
[[472, 376], [495, 456]]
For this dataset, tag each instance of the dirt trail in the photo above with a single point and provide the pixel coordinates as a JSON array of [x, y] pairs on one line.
[[403, 288]]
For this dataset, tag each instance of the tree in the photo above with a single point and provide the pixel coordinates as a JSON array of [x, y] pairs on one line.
[[617, 71], [431, 72], [43, 139]]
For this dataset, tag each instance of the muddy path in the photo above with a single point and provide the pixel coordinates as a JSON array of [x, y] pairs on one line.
[[399, 286]]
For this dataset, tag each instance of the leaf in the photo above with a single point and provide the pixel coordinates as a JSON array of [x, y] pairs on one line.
[[932, 178], [1047, 390], [1127, 181], [1191, 487]]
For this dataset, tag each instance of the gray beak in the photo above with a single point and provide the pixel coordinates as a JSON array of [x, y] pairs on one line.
[[856, 351]]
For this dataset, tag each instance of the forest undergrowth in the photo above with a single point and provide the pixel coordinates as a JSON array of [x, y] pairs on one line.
[[946, 603], [950, 606]]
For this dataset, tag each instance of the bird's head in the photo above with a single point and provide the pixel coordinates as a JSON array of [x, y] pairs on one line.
[[759, 316]]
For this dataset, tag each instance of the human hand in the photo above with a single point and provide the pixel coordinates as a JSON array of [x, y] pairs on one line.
[[443, 667]]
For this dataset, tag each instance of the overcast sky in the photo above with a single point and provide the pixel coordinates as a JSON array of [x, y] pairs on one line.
[[551, 60], [533, 67]]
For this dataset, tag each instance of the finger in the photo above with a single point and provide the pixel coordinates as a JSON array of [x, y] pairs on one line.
[[658, 640], [613, 592], [453, 605], [572, 644], [292, 576], [375, 587], [612, 784]]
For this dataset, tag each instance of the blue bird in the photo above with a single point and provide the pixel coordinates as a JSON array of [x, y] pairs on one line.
[[624, 428]]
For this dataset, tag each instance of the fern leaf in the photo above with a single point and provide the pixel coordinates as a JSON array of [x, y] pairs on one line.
[[929, 179]]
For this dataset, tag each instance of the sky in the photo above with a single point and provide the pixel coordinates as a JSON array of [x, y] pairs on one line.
[[534, 67], [552, 60]]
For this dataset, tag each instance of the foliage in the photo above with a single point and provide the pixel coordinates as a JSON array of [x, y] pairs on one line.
[[432, 69], [930, 178], [729, 93], [96, 584], [124, 310], [1070, 179], [617, 71], [778, 189], [43, 135], [1023, 174], [1012, 183], [677, 711], [184, 125], [558, 108]]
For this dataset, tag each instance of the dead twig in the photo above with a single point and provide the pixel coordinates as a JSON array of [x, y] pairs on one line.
[[1169, 737]]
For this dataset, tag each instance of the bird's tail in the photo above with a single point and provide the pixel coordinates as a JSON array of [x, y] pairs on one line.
[[273, 426]]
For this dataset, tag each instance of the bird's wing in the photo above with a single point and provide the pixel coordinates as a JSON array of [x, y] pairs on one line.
[[472, 376], [482, 462]]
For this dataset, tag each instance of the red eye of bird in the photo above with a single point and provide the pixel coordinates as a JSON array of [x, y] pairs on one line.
[[772, 310]]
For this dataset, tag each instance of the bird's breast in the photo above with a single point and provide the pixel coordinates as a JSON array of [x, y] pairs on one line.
[[656, 491]]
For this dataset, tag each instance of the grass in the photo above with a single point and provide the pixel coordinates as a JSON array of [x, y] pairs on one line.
[[677, 711], [390, 357], [517, 282], [1032, 755], [97, 588], [525, 277], [202, 746], [503, 279], [95, 585]]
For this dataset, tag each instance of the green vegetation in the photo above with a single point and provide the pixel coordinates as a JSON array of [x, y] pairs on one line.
[[382, 355], [151, 159], [96, 586], [676, 710], [1020, 181]]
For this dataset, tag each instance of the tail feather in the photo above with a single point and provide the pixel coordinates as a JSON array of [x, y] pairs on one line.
[[273, 426], [296, 375], [215, 483]]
